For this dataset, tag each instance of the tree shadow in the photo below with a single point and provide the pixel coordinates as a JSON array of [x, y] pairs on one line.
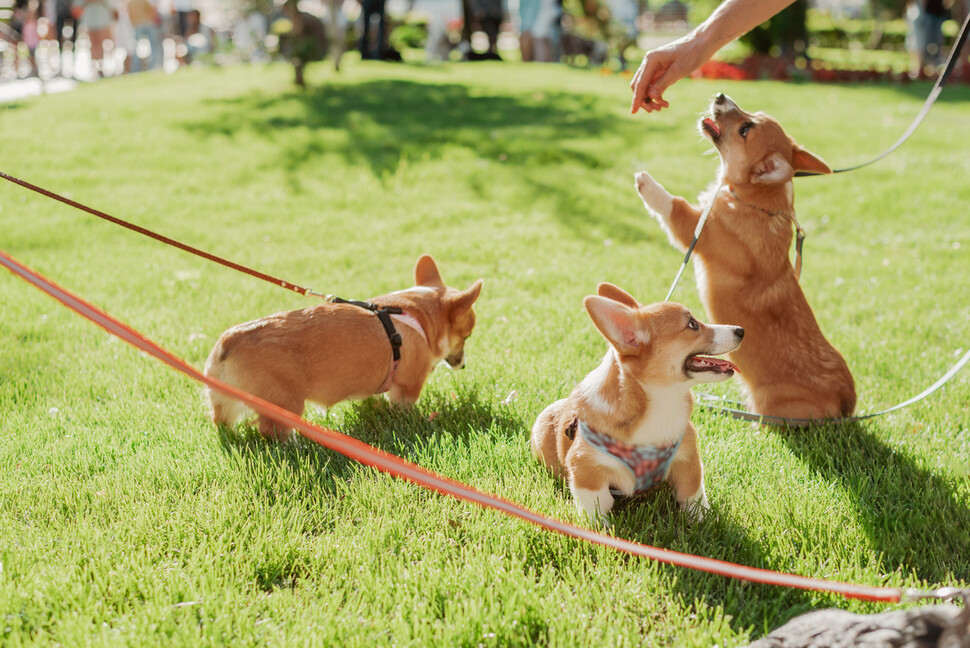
[[913, 518], [382, 124]]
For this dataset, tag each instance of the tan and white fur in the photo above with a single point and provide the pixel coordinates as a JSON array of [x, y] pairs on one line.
[[639, 395], [330, 353], [744, 274]]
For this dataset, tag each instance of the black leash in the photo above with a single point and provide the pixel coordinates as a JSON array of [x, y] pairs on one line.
[[383, 314]]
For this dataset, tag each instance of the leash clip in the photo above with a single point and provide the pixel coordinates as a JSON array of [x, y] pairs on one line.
[[941, 594]]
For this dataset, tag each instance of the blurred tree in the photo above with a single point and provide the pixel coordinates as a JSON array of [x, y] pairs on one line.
[[784, 35], [306, 40]]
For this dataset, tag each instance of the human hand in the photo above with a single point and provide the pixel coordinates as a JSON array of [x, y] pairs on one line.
[[660, 69]]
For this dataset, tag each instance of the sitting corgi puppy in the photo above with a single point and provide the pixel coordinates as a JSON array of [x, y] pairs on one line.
[[333, 352], [743, 271], [627, 424]]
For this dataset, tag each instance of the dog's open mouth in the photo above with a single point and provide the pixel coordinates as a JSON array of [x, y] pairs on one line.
[[700, 364], [710, 126]]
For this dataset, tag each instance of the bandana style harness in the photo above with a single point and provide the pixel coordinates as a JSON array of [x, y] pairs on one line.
[[647, 463]]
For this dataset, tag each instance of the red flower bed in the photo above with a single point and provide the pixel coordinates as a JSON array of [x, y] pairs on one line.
[[759, 66]]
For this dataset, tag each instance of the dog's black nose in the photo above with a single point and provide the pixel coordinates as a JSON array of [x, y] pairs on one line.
[[739, 332], [719, 98]]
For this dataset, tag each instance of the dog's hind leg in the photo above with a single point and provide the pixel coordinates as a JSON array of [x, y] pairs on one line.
[[225, 410]]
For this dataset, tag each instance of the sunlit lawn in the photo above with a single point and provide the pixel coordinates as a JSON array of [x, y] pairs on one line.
[[128, 520]]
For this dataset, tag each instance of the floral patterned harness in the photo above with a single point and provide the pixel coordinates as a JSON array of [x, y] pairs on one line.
[[647, 464]]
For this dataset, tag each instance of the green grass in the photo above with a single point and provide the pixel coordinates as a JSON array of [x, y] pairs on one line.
[[127, 519]]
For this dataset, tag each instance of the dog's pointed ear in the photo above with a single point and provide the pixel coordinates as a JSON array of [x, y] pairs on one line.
[[616, 293], [426, 272], [464, 300], [773, 169], [616, 322], [803, 160]]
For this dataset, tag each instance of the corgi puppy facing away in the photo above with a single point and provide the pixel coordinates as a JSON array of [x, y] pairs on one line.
[[333, 352], [627, 424], [743, 271]]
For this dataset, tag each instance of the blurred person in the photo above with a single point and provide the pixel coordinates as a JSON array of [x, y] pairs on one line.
[[31, 36], [664, 66], [924, 35], [124, 33], [487, 15], [182, 10], [528, 13], [64, 20], [97, 19], [146, 22], [540, 30], [199, 38], [371, 9]]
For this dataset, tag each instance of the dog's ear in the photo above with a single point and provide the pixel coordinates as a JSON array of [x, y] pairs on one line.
[[615, 293], [426, 272], [463, 301], [772, 170], [616, 322], [802, 160]]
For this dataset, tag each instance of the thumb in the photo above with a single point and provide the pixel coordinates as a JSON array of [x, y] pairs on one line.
[[659, 85]]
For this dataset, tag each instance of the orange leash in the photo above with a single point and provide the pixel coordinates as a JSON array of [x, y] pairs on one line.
[[402, 469]]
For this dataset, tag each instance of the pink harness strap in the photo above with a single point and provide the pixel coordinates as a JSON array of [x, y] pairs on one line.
[[411, 322]]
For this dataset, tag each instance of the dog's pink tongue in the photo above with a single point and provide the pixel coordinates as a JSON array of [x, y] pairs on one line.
[[720, 365], [712, 125]]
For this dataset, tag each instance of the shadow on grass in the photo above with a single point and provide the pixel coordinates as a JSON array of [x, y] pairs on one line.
[[655, 519], [377, 423], [912, 516], [382, 124]]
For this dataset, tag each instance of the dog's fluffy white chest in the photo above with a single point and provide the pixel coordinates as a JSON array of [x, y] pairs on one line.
[[668, 413]]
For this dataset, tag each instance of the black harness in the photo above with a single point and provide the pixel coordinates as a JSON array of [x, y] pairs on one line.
[[384, 315]]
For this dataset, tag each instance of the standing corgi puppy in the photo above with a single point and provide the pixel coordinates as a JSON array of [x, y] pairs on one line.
[[333, 352], [743, 271], [627, 425]]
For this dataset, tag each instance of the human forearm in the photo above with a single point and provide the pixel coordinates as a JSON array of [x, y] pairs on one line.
[[734, 18]]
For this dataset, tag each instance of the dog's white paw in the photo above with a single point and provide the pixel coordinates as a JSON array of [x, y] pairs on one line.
[[654, 197], [595, 505], [696, 506], [643, 179]]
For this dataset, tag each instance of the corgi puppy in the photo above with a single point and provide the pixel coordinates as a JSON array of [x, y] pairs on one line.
[[333, 352], [744, 275], [627, 424]]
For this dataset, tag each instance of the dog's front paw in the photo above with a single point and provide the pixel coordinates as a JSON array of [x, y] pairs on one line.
[[656, 199], [643, 179], [594, 505], [697, 506]]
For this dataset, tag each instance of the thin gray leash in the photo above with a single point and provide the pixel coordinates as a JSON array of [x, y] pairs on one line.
[[690, 248], [709, 401]]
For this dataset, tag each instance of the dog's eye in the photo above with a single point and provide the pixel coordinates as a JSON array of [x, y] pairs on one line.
[[692, 324], [744, 129]]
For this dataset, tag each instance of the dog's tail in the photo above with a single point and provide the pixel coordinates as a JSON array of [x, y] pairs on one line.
[[224, 410]]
